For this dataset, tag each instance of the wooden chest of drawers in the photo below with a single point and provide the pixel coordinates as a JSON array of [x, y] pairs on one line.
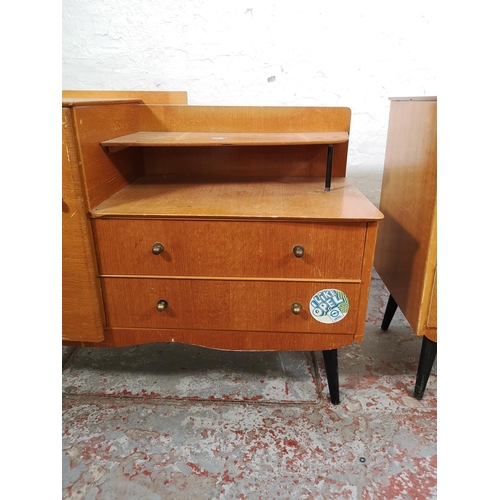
[[226, 227], [406, 252]]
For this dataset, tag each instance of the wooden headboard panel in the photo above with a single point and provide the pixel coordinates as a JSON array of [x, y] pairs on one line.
[[146, 96]]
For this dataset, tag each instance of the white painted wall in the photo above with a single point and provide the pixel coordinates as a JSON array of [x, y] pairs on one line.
[[262, 52]]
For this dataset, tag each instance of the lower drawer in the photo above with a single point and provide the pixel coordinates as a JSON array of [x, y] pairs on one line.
[[231, 305]]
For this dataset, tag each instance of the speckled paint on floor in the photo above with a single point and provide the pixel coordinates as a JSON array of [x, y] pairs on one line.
[[169, 421]]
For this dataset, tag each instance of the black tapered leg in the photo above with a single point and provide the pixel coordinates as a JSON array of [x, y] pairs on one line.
[[390, 309], [332, 374], [427, 356]]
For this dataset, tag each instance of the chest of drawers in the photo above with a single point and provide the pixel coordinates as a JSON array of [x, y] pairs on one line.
[[406, 252], [226, 227]]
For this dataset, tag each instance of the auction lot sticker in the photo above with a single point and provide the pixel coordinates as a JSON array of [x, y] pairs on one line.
[[329, 305]]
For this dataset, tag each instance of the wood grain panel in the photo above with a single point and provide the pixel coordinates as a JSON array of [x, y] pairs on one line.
[[259, 192], [408, 202], [221, 305], [105, 173], [248, 119], [250, 198], [183, 139], [225, 340], [427, 320], [71, 102], [82, 314], [147, 97], [432, 316], [366, 278], [230, 248], [243, 161]]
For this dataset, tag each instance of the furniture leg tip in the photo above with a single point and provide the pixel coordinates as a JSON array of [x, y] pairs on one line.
[[418, 395]]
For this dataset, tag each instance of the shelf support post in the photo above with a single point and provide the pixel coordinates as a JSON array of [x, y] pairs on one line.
[[329, 163]]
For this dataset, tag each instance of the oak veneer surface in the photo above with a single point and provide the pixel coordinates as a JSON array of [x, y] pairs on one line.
[[239, 161], [245, 119], [260, 185], [87, 115], [82, 314], [243, 249], [94, 101], [169, 139], [222, 305], [225, 340], [248, 120], [427, 319], [366, 277], [105, 175], [432, 317], [148, 97], [239, 198], [406, 251]]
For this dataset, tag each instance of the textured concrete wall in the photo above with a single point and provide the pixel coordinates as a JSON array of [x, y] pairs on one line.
[[262, 52]]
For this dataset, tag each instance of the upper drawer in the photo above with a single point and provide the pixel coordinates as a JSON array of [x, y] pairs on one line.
[[262, 249]]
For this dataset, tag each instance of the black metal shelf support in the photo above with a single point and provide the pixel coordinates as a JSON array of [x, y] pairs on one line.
[[329, 164]]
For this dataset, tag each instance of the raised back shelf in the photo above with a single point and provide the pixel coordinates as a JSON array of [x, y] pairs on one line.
[[129, 146], [228, 139]]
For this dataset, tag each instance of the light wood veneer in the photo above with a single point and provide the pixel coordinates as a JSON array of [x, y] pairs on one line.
[[230, 248], [228, 213], [406, 253]]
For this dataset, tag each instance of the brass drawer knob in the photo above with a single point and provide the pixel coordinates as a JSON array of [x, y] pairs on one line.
[[162, 305], [296, 307], [158, 248], [298, 251]]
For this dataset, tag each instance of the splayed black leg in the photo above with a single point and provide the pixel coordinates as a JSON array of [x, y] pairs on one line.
[[390, 309], [332, 374], [427, 356]]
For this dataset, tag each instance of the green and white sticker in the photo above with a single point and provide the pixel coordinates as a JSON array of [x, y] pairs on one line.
[[329, 305]]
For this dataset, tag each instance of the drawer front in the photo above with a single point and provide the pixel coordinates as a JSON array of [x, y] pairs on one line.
[[230, 248], [229, 305]]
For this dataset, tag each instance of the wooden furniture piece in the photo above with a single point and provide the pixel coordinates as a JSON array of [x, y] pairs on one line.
[[82, 307], [145, 96], [406, 250], [221, 226]]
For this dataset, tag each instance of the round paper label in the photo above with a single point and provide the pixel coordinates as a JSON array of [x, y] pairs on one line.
[[329, 305]]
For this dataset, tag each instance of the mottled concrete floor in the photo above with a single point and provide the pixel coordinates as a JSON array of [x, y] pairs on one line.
[[165, 421]]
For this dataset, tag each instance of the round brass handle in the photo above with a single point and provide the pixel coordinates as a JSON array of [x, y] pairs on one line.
[[298, 251], [296, 307], [162, 305], [158, 248]]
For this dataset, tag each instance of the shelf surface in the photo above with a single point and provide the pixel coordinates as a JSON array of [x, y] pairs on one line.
[[225, 139], [90, 101], [239, 198]]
